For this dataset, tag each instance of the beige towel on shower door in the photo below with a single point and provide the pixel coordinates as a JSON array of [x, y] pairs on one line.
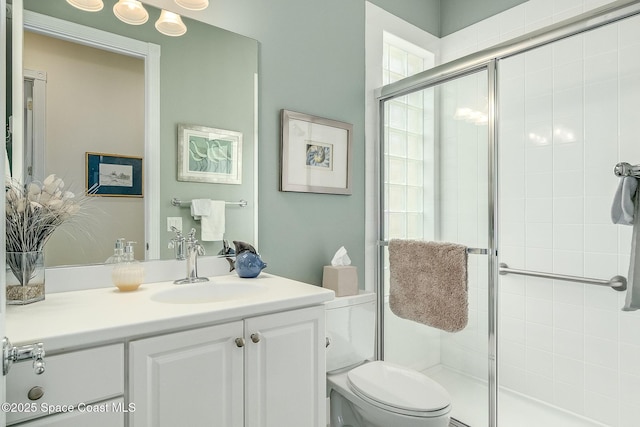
[[429, 283]]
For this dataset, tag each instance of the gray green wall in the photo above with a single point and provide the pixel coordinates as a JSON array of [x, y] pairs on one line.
[[443, 17], [312, 60], [458, 14], [424, 14]]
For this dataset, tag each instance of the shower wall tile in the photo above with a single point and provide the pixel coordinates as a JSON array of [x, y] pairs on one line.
[[601, 41], [601, 238], [513, 378], [568, 344], [568, 397], [538, 259], [601, 298], [600, 323], [598, 407], [601, 380], [568, 237], [568, 371], [539, 387], [539, 311], [539, 336], [630, 389], [513, 330], [569, 293], [539, 235], [630, 328], [567, 262], [602, 352], [568, 317], [629, 356], [537, 288]]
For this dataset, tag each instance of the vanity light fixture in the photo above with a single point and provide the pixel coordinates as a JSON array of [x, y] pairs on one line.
[[193, 4], [170, 24], [87, 5], [131, 12]]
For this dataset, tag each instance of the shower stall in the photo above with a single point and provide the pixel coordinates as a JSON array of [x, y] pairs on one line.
[[511, 152]]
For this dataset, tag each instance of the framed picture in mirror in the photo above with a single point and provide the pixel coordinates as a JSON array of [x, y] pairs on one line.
[[315, 154], [114, 175], [209, 155]]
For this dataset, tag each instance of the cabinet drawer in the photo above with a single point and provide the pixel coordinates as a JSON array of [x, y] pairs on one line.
[[113, 418], [69, 379]]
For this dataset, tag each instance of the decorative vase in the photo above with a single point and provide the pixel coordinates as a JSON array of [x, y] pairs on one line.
[[25, 277]]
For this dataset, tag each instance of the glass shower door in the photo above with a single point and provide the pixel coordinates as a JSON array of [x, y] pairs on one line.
[[435, 187]]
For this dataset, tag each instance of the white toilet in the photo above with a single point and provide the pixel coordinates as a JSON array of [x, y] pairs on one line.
[[366, 393]]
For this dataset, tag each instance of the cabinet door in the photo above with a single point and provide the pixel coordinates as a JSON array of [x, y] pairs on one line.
[[285, 369], [191, 378]]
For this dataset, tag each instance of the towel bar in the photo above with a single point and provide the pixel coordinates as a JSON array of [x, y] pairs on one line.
[[183, 203], [617, 283], [625, 169], [470, 251]]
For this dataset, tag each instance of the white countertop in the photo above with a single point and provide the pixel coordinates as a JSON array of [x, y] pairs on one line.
[[74, 319]]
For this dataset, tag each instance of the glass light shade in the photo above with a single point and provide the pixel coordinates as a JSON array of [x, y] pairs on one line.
[[193, 4], [170, 24], [87, 5], [131, 11]]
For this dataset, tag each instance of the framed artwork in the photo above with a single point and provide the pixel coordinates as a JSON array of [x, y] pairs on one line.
[[209, 155], [114, 175], [315, 154]]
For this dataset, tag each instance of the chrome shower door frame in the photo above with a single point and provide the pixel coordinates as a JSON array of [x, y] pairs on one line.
[[439, 78]]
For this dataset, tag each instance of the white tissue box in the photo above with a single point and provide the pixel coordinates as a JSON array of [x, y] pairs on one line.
[[343, 280]]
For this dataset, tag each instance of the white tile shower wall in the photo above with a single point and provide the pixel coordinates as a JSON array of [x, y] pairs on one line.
[[568, 113]]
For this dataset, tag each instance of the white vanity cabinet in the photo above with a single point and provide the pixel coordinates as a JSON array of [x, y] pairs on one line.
[[74, 389], [264, 371]]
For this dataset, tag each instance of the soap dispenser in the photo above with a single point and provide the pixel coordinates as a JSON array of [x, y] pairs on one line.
[[128, 275], [118, 252]]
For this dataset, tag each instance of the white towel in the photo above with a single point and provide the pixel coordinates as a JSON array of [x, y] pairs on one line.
[[632, 300], [623, 201], [211, 214]]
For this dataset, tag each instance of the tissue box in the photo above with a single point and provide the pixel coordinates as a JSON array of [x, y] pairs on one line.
[[343, 280]]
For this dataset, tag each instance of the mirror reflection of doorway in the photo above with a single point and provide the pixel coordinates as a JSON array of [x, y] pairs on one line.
[[83, 99], [32, 165]]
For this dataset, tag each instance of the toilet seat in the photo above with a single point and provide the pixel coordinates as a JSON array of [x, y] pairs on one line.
[[398, 389]]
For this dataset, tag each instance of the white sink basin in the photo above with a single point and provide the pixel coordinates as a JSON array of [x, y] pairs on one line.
[[199, 293]]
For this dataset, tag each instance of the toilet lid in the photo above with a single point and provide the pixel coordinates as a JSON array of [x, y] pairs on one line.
[[398, 387]]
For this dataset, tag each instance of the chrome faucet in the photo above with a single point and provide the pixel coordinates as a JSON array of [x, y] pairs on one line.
[[188, 249]]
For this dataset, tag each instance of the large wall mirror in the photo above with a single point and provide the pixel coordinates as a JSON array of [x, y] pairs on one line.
[[93, 84]]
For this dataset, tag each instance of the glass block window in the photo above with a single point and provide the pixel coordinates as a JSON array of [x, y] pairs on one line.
[[409, 145]]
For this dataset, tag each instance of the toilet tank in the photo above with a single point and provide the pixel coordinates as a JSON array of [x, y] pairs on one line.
[[350, 328]]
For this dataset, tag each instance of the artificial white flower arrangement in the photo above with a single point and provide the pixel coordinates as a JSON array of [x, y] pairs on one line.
[[33, 212]]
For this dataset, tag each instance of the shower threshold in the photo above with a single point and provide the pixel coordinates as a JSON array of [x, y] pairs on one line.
[[469, 398]]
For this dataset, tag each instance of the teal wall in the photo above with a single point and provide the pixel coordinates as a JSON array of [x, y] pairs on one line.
[[458, 14], [312, 60]]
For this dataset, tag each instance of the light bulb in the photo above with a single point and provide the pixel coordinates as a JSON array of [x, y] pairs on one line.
[[87, 5], [170, 24], [131, 11], [193, 4]]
